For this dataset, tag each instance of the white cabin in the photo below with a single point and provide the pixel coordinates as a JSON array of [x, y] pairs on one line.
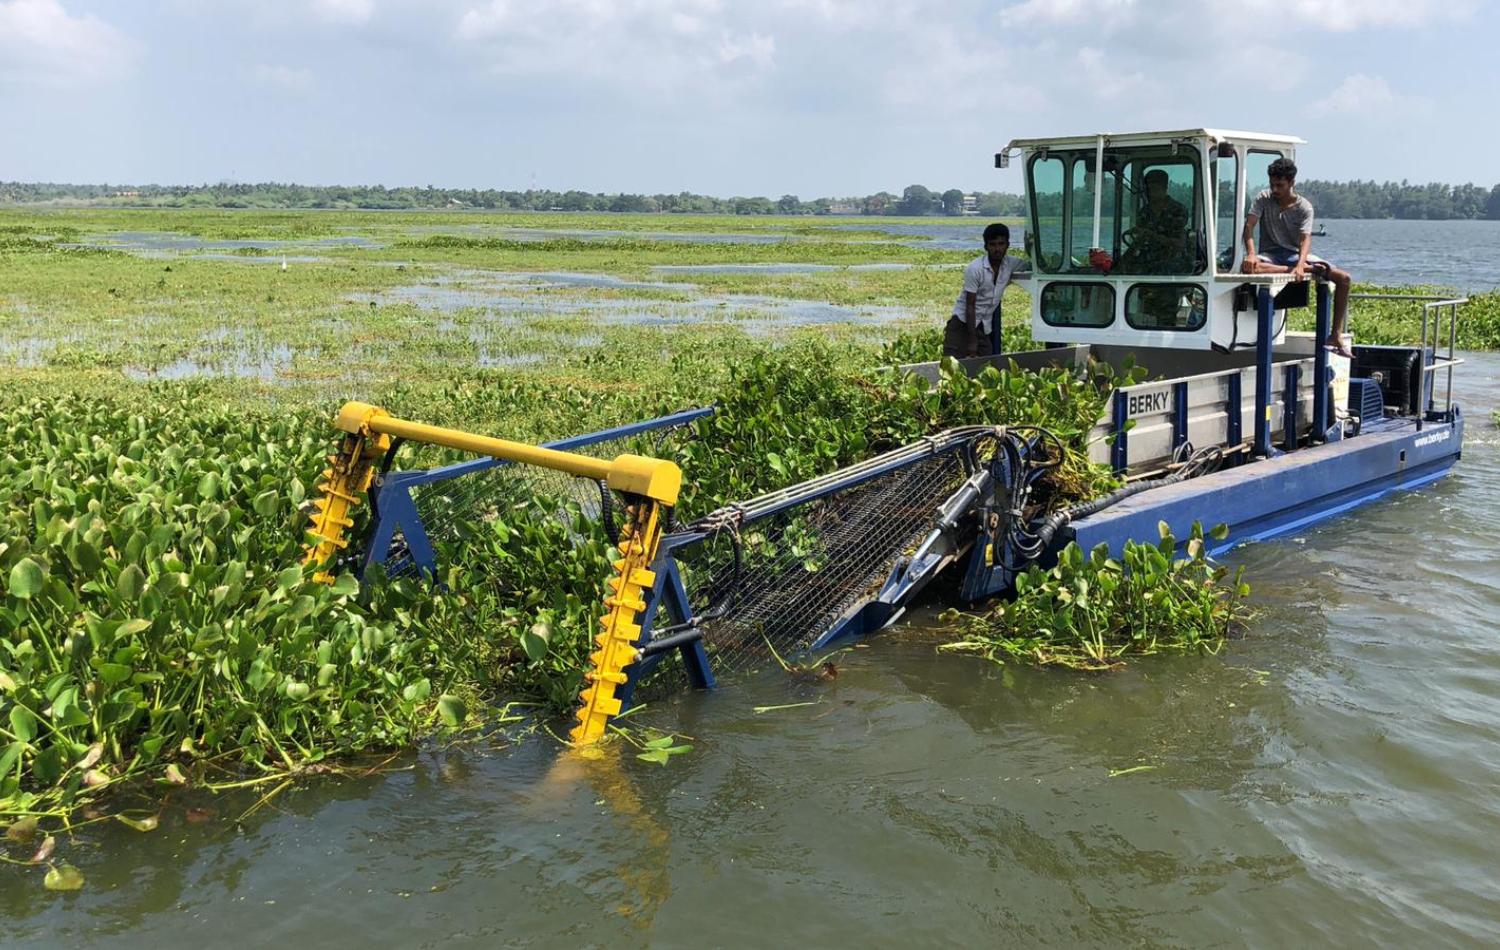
[[1168, 275]]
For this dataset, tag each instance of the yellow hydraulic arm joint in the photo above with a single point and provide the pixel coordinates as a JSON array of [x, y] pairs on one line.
[[650, 485], [341, 485]]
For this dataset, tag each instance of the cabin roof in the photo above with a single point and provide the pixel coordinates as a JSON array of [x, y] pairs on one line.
[[1121, 138]]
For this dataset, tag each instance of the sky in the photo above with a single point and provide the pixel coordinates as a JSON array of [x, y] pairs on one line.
[[771, 97]]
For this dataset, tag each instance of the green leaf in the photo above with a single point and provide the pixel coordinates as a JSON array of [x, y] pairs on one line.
[[417, 692], [22, 829], [113, 674], [291, 578], [9, 756], [534, 641], [87, 557], [148, 823], [131, 583], [26, 578], [63, 877], [1219, 531], [452, 710], [265, 503], [22, 724], [132, 627], [345, 584], [208, 486]]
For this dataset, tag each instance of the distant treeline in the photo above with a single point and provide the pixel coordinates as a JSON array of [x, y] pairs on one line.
[[1368, 199], [1333, 199]]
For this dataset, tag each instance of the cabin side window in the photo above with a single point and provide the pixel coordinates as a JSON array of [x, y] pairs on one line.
[[1065, 304], [1257, 177], [1226, 176], [1047, 218]]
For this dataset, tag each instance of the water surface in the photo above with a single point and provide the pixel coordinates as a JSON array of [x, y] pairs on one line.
[[1460, 255]]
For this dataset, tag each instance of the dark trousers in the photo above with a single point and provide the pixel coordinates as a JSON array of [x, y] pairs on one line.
[[956, 339]]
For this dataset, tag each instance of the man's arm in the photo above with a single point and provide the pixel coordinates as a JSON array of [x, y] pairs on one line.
[[1248, 236], [1300, 271]]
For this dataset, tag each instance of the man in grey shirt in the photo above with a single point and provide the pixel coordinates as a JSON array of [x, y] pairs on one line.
[[1286, 228]]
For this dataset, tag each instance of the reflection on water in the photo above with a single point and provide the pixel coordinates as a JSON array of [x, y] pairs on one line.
[[26, 352], [264, 362], [170, 244], [507, 295], [770, 268], [1328, 779]]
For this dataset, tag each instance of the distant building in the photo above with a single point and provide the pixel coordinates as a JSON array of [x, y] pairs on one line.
[[971, 204]]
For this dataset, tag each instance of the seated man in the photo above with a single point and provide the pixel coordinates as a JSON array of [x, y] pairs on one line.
[[1286, 228], [1159, 239]]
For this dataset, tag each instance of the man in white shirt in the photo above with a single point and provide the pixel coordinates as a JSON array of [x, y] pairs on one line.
[[978, 304]]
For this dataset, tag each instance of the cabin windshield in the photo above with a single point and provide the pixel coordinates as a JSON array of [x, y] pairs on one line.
[[1151, 210]]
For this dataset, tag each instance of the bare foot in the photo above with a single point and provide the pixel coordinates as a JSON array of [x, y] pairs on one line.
[[1341, 348]]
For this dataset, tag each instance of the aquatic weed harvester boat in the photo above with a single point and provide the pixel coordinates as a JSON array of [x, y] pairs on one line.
[[1244, 423]]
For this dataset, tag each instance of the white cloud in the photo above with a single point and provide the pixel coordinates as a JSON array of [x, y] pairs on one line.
[[1347, 15], [1106, 81], [344, 11], [41, 43], [1272, 68], [683, 46], [846, 15], [1095, 13], [286, 78], [948, 76], [1363, 96], [755, 50]]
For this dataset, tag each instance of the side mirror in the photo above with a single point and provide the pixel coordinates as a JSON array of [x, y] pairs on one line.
[[1225, 150], [1002, 159]]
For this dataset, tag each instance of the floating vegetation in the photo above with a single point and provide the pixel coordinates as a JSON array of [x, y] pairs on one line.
[[1091, 611]]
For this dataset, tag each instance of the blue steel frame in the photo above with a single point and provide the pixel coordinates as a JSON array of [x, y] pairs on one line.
[[1179, 415], [1119, 452], [1265, 313], [1289, 406], [391, 499]]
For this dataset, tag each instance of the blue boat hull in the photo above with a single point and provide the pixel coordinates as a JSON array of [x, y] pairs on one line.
[[1280, 495]]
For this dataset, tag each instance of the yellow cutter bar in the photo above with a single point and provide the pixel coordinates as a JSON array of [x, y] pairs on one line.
[[650, 485]]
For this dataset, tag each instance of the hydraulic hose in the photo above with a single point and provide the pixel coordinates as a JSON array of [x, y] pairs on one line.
[[1194, 463]]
